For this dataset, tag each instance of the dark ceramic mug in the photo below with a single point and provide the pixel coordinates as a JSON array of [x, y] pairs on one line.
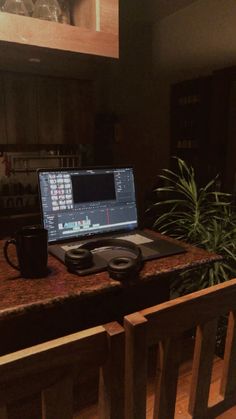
[[32, 251]]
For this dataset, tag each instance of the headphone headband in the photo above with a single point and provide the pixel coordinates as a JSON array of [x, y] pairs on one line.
[[121, 267], [93, 244]]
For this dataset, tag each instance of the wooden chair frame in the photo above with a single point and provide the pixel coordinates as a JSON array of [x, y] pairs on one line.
[[50, 368], [164, 325]]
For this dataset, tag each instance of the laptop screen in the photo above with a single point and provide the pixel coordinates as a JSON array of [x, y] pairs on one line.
[[81, 202]]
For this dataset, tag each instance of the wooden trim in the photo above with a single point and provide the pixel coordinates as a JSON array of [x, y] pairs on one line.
[[51, 367], [31, 359]]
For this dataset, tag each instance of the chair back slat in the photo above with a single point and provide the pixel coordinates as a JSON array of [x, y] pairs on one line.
[[57, 400], [135, 367], [166, 379], [202, 368], [111, 391], [50, 369], [228, 382], [162, 325]]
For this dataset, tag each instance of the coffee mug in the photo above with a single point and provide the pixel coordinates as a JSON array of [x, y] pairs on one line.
[[32, 251]]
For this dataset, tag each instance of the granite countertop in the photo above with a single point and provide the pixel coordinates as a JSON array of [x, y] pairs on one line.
[[19, 295]]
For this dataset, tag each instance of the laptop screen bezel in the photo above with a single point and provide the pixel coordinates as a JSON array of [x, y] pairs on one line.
[[89, 234]]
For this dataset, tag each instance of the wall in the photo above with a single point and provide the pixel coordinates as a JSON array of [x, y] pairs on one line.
[[192, 42], [196, 39], [133, 97]]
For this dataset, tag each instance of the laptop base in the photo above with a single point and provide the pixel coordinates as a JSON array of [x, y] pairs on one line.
[[152, 249]]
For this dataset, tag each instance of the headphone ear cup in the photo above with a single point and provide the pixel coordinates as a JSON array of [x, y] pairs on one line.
[[78, 258], [121, 268]]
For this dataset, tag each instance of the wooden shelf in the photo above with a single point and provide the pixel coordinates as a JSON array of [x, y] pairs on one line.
[[95, 33], [28, 31]]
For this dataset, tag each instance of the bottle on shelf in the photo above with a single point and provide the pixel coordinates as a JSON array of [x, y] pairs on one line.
[[47, 10], [29, 6], [15, 6], [65, 12]]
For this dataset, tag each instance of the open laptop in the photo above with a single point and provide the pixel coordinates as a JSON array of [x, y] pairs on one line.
[[80, 204]]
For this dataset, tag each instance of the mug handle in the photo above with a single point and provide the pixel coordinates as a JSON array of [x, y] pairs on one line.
[[5, 250]]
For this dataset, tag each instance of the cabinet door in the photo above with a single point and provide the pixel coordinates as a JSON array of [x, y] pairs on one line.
[[3, 136], [49, 110], [77, 111], [20, 102]]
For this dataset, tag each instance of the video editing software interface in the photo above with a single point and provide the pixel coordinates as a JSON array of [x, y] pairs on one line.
[[87, 201]]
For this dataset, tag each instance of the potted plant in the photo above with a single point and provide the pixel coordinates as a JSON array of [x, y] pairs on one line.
[[201, 216]]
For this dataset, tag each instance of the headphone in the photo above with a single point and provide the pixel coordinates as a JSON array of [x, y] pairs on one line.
[[120, 267]]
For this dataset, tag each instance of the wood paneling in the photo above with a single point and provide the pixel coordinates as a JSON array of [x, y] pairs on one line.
[[49, 111], [3, 134], [45, 110], [20, 108], [77, 111]]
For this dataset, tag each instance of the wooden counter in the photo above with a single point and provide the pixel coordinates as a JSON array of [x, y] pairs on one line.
[[33, 310]]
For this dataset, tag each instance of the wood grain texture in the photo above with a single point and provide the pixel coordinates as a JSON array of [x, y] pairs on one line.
[[109, 16], [3, 132], [199, 306], [166, 379], [228, 383], [45, 110], [84, 14], [57, 400], [135, 366], [111, 383], [49, 110], [170, 320], [202, 368], [20, 108], [52, 367], [28, 31], [77, 111]]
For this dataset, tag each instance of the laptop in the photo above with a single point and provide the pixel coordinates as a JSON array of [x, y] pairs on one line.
[[80, 204]]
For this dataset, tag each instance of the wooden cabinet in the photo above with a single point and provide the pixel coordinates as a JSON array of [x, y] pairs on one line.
[[223, 126], [203, 127], [95, 30], [190, 125], [20, 108], [3, 134]]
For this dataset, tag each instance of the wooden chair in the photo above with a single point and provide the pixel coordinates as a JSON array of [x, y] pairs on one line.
[[163, 325], [51, 367]]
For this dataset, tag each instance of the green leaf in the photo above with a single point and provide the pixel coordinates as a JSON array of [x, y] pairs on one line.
[[201, 216]]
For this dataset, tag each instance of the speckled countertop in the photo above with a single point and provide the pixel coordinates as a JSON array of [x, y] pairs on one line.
[[19, 295]]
